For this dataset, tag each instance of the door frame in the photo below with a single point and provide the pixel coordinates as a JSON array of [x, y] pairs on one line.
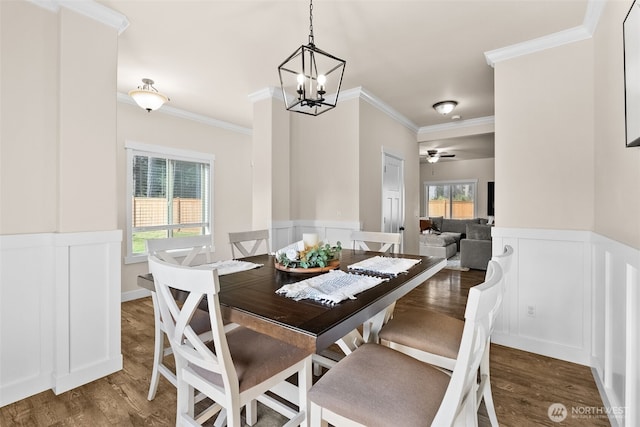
[[390, 153]]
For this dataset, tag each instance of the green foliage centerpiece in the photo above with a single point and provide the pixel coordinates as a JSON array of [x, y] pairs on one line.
[[317, 258]]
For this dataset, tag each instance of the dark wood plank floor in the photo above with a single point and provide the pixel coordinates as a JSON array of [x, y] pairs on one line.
[[524, 384]]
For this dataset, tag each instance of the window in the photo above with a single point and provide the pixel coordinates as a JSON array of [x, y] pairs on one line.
[[168, 195], [455, 199]]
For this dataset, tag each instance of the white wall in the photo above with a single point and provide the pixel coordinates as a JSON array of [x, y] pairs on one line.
[[567, 198], [59, 249]]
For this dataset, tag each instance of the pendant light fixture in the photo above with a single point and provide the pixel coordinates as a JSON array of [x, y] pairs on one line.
[[147, 96], [311, 78]]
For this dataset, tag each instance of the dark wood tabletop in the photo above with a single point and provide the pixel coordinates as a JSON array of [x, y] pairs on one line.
[[249, 298]]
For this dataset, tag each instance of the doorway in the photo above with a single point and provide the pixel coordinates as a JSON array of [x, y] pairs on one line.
[[392, 194]]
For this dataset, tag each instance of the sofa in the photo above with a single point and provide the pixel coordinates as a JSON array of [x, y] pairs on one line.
[[476, 247], [444, 237]]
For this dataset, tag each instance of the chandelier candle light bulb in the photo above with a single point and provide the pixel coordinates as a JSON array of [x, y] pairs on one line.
[[322, 79]]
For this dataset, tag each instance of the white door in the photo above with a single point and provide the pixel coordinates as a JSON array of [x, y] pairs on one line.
[[392, 194]]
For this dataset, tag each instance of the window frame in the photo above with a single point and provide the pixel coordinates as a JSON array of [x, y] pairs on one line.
[[141, 149], [473, 182]]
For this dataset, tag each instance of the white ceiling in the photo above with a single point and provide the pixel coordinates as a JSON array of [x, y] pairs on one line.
[[209, 56]]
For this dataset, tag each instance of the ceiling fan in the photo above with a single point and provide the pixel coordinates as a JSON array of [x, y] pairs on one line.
[[433, 156]]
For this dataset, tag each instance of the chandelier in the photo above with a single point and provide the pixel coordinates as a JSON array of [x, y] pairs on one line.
[[310, 77]]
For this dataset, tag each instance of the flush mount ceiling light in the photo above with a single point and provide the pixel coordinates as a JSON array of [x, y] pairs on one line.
[[147, 96], [308, 75], [445, 107]]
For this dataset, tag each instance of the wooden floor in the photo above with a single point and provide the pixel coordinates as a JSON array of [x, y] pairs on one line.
[[524, 384]]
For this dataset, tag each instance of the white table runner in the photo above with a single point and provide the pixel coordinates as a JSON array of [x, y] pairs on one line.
[[384, 265], [331, 287], [229, 266]]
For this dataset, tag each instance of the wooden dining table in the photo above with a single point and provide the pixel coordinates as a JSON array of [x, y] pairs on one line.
[[249, 298]]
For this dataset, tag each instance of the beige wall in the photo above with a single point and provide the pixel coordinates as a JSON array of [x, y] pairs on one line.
[[617, 168], [87, 156], [324, 164], [478, 169], [58, 121], [380, 132], [271, 164], [232, 179], [544, 145]]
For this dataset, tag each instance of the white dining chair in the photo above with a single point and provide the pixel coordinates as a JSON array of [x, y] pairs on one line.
[[378, 386], [189, 250], [435, 338], [376, 241], [238, 368], [248, 242]]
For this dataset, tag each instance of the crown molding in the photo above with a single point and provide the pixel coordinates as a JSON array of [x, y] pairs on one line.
[[90, 9], [266, 93], [345, 95], [458, 128], [592, 17], [536, 45], [183, 114], [365, 95], [571, 35]]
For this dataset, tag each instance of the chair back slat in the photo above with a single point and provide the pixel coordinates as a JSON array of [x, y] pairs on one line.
[[172, 250], [387, 242], [482, 304], [185, 342], [505, 259], [248, 242]]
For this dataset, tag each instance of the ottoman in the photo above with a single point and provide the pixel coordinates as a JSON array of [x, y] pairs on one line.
[[438, 245]]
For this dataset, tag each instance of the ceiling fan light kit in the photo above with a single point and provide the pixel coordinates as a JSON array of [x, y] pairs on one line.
[[147, 96], [445, 107], [433, 156], [309, 74]]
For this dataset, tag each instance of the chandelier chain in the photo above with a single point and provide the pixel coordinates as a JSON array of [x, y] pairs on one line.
[[311, 41]]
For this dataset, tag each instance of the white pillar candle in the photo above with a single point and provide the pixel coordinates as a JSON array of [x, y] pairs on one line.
[[309, 239]]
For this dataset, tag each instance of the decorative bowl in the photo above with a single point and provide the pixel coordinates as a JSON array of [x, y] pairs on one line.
[[333, 264]]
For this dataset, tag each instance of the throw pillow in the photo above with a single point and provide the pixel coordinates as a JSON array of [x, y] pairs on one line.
[[425, 224], [436, 223], [478, 232]]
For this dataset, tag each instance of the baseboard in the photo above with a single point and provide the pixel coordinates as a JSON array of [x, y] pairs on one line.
[[133, 295], [616, 420], [86, 375], [549, 349]]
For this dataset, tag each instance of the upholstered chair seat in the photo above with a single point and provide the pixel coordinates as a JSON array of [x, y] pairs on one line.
[[429, 331], [364, 387]]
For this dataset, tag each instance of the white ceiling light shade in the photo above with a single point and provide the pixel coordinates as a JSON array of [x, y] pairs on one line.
[[308, 74], [445, 107], [433, 159], [147, 96]]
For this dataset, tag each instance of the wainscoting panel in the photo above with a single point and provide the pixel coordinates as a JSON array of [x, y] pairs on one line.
[[60, 318], [547, 308], [26, 315], [616, 328], [574, 296], [287, 232]]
